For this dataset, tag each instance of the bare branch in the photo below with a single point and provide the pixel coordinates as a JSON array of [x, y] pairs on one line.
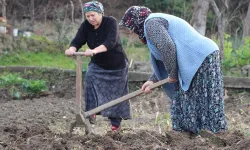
[[216, 9], [234, 13]]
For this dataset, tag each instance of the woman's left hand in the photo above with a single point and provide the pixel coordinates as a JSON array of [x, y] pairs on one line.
[[89, 53]]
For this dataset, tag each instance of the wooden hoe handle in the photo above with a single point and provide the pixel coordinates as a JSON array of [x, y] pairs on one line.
[[122, 99]]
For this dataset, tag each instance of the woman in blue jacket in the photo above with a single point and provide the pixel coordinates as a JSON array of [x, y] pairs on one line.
[[190, 61]]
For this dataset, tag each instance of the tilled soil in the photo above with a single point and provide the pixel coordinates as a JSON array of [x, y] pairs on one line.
[[43, 123]]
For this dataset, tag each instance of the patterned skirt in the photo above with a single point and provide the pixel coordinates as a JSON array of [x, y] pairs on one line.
[[102, 86], [202, 106]]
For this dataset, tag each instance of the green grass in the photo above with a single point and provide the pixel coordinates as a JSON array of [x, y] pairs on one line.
[[59, 60], [49, 58], [41, 59], [138, 54]]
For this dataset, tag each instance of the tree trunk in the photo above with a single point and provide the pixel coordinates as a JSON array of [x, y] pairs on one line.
[[32, 13], [199, 18], [80, 2], [45, 15], [72, 12], [4, 9], [221, 24], [246, 23]]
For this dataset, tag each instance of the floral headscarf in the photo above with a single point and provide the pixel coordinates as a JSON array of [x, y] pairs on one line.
[[134, 19], [93, 6]]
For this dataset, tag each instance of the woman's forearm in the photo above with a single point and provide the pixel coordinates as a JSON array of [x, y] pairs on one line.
[[100, 49]]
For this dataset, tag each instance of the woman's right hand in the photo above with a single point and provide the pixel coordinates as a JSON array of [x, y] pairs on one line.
[[146, 87], [70, 51]]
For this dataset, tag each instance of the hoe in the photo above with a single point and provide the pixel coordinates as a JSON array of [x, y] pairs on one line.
[[81, 116]]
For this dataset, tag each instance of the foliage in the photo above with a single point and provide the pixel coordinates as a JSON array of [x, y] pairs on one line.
[[124, 41], [138, 54], [35, 43], [157, 5], [10, 81], [41, 43], [247, 133], [34, 86], [178, 8], [243, 53], [164, 119], [61, 28], [19, 86], [42, 59], [235, 58], [41, 39], [229, 60], [136, 51]]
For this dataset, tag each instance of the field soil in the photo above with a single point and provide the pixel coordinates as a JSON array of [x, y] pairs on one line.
[[43, 123]]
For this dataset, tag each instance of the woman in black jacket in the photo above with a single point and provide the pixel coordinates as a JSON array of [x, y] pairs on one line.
[[106, 78]]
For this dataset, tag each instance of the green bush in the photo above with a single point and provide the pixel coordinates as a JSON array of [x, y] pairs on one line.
[[229, 55], [235, 58], [243, 53], [19, 86], [34, 86], [11, 81]]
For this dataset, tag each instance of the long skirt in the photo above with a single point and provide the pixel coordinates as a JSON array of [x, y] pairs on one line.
[[102, 86], [202, 106]]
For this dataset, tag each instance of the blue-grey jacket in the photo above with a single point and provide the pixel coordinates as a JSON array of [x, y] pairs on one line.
[[191, 47]]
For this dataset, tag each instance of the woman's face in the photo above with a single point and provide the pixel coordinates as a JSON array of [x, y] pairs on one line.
[[94, 18]]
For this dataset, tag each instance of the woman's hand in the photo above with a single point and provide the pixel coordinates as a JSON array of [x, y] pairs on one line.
[[172, 80], [89, 53], [146, 87], [70, 51]]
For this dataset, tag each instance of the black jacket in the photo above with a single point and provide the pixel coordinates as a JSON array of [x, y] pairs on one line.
[[106, 34]]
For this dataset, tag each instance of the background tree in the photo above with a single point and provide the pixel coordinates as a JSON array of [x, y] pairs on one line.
[[72, 12], [193, 11], [199, 17], [157, 5], [4, 8], [180, 8], [82, 12], [246, 23], [32, 9], [221, 25], [228, 13]]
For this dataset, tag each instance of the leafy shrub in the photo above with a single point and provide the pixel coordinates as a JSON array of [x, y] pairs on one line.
[[11, 81], [19, 86], [243, 53], [235, 58], [34, 86], [229, 55]]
